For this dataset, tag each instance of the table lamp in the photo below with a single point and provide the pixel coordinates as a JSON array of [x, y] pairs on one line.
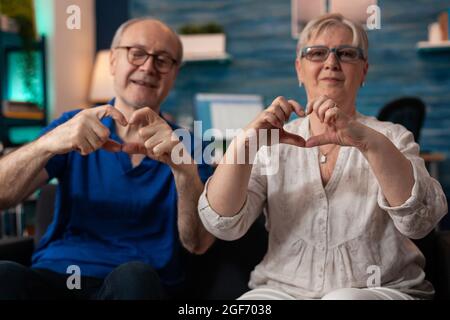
[[102, 86]]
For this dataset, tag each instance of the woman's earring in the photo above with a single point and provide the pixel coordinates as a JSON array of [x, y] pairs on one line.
[[300, 84], [363, 84]]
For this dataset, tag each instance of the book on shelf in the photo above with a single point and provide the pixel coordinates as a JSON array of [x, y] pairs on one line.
[[8, 24], [22, 110], [11, 223]]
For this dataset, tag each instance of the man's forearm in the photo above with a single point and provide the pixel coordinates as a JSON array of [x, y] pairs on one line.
[[193, 235], [17, 171]]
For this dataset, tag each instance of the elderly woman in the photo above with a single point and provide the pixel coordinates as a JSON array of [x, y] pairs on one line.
[[348, 191]]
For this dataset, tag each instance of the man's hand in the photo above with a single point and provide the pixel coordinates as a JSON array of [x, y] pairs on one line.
[[157, 139], [84, 132]]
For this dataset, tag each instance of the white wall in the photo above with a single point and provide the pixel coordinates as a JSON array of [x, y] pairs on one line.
[[70, 53]]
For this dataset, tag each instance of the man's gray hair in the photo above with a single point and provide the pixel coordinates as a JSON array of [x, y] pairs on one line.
[[119, 32], [317, 26]]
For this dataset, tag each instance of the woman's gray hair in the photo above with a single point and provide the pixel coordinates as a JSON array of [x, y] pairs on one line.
[[119, 32], [317, 26]]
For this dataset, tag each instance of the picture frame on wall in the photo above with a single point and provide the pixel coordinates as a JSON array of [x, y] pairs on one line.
[[303, 11]]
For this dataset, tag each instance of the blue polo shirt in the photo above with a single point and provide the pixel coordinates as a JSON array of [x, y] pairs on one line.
[[108, 213]]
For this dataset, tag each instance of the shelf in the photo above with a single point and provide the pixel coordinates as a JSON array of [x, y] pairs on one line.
[[433, 156], [426, 46], [9, 122], [14, 240], [220, 58], [204, 48]]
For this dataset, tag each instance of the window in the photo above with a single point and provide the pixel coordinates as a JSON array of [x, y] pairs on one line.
[[219, 112]]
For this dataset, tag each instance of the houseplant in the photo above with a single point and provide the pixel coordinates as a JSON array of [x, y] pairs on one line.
[[203, 41], [207, 28]]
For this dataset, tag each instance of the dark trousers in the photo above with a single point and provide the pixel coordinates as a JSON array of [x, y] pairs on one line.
[[129, 281]]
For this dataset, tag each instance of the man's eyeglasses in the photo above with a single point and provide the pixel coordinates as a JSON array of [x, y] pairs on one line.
[[137, 56], [343, 53]]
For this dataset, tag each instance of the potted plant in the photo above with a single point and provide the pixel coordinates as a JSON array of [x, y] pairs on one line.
[[203, 41]]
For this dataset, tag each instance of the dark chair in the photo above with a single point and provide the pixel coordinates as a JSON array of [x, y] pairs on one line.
[[44, 211], [410, 112], [224, 270], [407, 111], [20, 249]]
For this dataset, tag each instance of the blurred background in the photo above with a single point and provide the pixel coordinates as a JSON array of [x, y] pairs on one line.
[[239, 56]]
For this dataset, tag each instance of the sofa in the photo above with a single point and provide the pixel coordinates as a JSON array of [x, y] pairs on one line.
[[223, 272]]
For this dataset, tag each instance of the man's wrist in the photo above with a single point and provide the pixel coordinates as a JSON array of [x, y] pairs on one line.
[[185, 169], [42, 147]]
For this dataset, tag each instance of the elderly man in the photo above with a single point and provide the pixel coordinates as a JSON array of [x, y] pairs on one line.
[[124, 208]]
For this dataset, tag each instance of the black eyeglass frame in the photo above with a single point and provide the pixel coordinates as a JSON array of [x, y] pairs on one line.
[[360, 51], [153, 55]]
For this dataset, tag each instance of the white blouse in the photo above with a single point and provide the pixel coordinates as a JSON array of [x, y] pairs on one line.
[[326, 238]]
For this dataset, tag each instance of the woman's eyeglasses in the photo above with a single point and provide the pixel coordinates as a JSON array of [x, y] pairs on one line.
[[137, 56], [343, 53]]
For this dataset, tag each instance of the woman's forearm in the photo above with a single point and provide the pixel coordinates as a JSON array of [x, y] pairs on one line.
[[392, 169], [227, 189]]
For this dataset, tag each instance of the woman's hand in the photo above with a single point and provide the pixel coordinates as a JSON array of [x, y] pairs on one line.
[[274, 117], [340, 129]]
